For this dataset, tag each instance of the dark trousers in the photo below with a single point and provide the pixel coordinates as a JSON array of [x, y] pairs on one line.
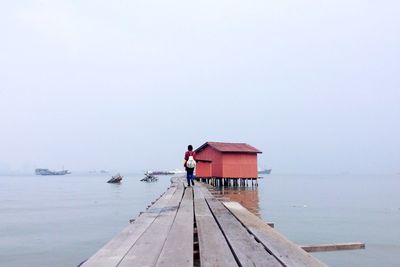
[[190, 176]]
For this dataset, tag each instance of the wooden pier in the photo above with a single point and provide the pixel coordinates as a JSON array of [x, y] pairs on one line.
[[188, 226]]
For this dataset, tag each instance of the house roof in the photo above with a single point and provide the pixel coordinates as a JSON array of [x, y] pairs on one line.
[[230, 147]]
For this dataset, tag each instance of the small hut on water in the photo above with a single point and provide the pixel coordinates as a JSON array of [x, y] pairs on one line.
[[227, 163]]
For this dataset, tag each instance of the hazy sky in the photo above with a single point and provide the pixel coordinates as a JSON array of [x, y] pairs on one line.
[[127, 85]]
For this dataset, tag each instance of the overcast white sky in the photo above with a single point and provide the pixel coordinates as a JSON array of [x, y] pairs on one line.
[[127, 85]]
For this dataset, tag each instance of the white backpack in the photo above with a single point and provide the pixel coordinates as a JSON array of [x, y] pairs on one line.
[[191, 163]]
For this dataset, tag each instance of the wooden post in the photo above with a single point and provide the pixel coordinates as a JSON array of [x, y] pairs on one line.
[[333, 247]]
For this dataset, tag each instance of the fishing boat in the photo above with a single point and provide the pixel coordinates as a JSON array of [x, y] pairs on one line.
[[115, 179], [265, 171], [149, 178], [49, 172], [160, 172]]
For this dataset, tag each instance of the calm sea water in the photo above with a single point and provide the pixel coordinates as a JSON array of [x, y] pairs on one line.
[[333, 209], [61, 221]]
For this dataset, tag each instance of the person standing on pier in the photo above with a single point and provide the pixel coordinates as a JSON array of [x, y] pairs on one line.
[[190, 164]]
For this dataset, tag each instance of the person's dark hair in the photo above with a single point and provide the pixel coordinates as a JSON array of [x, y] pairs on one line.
[[190, 147]]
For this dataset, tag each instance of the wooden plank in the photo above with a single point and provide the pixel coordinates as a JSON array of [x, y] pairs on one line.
[[147, 249], [178, 248], [283, 249], [246, 249], [213, 248], [333, 247], [113, 252]]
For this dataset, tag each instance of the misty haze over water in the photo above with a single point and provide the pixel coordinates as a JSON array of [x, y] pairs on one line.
[[103, 85]]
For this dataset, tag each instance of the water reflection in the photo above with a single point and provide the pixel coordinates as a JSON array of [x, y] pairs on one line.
[[115, 189], [246, 196]]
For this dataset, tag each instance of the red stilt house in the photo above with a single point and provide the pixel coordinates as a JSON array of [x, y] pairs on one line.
[[226, 160]]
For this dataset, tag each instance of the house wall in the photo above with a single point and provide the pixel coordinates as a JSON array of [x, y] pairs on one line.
[[239, 165], [204, 169], [216, 157]]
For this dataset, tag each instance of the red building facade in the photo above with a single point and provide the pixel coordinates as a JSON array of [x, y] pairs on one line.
[[226, 160]]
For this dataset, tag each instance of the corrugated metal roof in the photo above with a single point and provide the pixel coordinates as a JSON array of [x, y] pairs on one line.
[[230, 147]]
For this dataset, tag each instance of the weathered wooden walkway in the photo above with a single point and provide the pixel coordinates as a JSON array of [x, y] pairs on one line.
[[190, 227]]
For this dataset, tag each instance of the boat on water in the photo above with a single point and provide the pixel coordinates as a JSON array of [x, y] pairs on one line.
[[49, 172], [176, 171], [115, 179], [149, 178], [160, 172], [265, 171]]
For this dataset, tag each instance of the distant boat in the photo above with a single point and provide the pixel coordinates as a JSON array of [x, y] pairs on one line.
[[48, 172], [160, 172], [265, 171], [177, 171], [115, 179]]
